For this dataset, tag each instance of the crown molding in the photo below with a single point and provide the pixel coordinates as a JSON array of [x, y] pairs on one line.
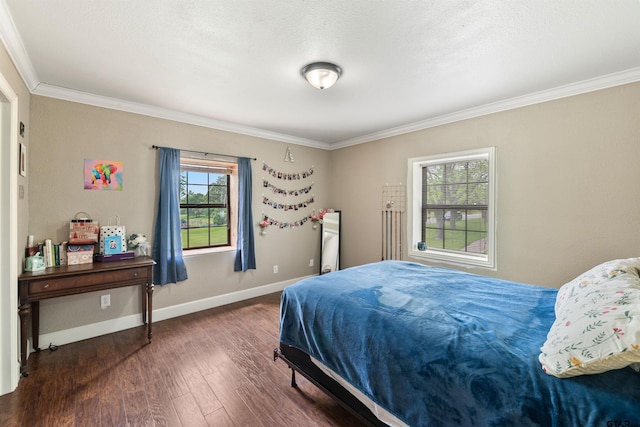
[[585, 86], [13, 43], [168, 114], [15, 47]]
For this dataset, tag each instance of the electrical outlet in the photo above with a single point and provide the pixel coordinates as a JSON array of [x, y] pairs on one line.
[[105, 301], [311, 262], [275, 269]]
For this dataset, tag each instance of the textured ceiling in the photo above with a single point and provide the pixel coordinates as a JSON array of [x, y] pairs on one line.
[[235, 65]]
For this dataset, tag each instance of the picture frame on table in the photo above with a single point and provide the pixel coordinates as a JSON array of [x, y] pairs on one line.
[[112, 245]]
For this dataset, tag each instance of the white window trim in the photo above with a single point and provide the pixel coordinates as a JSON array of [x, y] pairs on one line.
[[414, 196], [212, 250], [231, 169]]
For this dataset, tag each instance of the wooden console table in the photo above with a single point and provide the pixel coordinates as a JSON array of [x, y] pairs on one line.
[[77, 279]]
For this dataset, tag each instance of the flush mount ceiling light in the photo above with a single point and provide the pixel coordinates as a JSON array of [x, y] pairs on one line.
[[321, 75]]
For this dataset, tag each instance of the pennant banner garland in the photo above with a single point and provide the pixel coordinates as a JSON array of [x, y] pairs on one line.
[[283, 192], [287, 176]]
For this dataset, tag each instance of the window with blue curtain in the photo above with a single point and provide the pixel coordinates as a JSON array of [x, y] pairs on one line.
[[167, 242]]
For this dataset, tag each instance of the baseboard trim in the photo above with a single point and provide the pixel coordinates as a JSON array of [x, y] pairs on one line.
[[92, 330]]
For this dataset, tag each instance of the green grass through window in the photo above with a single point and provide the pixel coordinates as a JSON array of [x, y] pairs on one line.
[[455, 237], [199, 237]]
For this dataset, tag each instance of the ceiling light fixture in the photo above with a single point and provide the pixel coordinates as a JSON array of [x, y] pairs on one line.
[[321, 75]]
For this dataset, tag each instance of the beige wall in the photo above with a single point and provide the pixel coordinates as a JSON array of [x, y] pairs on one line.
[[567, 190], [14, 213], [65, 133], [568, 180], [9, 72]]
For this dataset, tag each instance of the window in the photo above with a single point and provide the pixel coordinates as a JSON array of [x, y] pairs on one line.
[[452, 218], [208, 190]]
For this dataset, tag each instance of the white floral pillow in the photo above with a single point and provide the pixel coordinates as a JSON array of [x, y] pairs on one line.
[[597, 325], [596, 276]]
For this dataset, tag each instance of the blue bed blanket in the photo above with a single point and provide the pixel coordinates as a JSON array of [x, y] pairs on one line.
[[437, 346]]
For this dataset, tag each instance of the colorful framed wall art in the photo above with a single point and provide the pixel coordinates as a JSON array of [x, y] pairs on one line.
[[103, 175]]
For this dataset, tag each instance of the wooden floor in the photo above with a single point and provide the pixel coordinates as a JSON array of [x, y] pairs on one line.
[[212, 368]]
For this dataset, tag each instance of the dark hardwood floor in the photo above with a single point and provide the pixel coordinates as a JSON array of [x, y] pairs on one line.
[[212, 368]]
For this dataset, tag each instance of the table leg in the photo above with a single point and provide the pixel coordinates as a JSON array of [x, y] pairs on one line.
[[35, 325], [144, 302], [150, 308], [24, 310]]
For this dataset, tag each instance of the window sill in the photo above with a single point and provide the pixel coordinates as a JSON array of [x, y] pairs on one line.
[[454, 259], [204, 251]]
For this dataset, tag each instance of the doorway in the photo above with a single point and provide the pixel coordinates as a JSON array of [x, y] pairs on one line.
[[9, 366]]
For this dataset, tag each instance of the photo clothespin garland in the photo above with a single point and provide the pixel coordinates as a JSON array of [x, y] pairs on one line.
[[278, 191], [284, 192], [283, 224], [287, 176], [287, 207]]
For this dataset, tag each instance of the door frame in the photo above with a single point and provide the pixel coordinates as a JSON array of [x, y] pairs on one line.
[[9, 366]]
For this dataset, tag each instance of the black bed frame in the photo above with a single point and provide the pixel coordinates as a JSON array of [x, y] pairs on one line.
[[301, 362]]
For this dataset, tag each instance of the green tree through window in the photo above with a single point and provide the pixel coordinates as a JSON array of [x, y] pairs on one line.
[[455, 203], [204, 204], [452, 210]]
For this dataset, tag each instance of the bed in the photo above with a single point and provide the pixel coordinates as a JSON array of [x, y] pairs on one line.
[[401, 343]]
